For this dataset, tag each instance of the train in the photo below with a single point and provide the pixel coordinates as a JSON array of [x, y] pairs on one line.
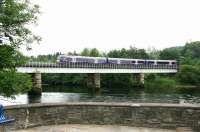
[[63, 59]]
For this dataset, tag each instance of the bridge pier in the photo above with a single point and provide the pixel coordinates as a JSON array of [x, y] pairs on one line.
[[93, 81], [37, 83], [140, 80]]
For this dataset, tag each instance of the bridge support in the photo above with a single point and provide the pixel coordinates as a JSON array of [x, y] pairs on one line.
[[140, 80], [37, 83], [93, 81]]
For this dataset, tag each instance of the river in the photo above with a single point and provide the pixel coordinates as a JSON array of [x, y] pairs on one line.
[[63, 94]]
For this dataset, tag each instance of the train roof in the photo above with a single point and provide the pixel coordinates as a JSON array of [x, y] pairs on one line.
[[82, 56], [141, 59]]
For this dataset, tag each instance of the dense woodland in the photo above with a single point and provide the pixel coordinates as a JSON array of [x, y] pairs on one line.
[[188, 58]]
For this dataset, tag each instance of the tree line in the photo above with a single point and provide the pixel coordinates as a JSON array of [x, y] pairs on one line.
[[187, 56]]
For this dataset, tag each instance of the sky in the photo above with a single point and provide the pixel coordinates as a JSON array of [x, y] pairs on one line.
[[71, 25]]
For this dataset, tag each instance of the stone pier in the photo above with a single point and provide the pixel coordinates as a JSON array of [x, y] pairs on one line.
[[140, 79], [93, 81], [37, 83]]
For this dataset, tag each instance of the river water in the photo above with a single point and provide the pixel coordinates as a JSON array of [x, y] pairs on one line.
[[63, 94]]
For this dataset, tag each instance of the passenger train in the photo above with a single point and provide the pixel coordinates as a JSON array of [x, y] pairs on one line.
[[63, 59]]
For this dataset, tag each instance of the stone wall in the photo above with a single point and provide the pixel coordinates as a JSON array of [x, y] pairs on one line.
[[142, 115]]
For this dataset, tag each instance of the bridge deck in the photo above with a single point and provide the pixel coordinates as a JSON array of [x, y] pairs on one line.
[[95, 68]]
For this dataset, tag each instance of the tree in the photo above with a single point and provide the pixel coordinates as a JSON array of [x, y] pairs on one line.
[[132, 52], [14, 83], [6, 56], [173, 53], [153, 53], [94, 52], [189, 74], [192, 50], [10, 81], [114, 54], [85, 52], [90, 52], [15, 18]]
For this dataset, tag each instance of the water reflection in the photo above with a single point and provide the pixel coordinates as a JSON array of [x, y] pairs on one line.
[[18, 99], [77, 94], [60, 97]]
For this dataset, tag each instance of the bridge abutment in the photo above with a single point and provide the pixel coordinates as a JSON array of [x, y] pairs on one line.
[[93, 81], [37, 83]]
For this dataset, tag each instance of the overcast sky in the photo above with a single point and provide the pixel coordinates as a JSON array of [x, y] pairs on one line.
[[68, 25]]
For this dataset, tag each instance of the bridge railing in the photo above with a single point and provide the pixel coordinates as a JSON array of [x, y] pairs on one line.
[[98, 66]]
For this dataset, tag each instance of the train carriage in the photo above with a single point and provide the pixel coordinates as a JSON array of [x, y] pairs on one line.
[[103, 60]]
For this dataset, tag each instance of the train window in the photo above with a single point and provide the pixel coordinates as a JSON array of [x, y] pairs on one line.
[[140, 62], [90, 60], [80, 60], [150, 62], [68, 59], [61, 59], [84, 60], [133, 62], [112, 61], [162, 62], [125, 62], [101, 61], [173, 63]]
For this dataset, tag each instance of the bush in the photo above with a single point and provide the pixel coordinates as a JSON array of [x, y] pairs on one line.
[[14, 83], [189, 74], [160, 85]]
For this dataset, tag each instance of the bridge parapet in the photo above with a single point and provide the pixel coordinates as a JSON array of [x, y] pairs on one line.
[[98, 66]]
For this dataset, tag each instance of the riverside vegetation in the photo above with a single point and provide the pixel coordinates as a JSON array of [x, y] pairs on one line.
[[188, 58], [14, 18]]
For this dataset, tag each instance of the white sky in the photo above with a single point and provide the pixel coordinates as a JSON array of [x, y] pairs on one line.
[[68, 25]]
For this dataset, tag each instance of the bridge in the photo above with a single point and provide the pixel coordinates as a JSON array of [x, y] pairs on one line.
[[93, 71]]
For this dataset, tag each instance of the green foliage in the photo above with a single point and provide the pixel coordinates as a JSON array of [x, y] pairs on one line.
[[10, 81], [117, 80], [160, 85], [64, 79], [188, 58], [94, 52], [14, 18], [45, 58], [85, 52], [132, 52], [153, 53], [189, 74], [192, 50], [173, 53], [7, 54], [14, 83], [9, 57], [90, 52]]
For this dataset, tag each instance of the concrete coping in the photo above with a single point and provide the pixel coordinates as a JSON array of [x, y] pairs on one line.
[[114, 104]]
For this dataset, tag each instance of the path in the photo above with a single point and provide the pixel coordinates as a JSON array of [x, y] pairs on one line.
[[92, 128]]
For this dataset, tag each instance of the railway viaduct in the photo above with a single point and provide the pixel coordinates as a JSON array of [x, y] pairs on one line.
[[92, 70]]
